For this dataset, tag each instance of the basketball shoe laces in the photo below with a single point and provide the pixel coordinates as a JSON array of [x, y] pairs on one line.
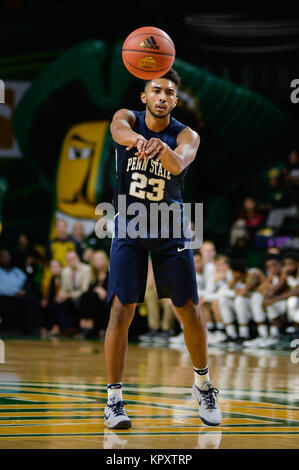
[[209, 397], [118, 408]]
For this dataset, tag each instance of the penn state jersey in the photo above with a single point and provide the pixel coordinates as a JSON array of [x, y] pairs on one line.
[[148, 181]]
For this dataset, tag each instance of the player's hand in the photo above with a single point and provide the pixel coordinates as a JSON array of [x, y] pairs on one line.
[[154, 148], [140, 142]]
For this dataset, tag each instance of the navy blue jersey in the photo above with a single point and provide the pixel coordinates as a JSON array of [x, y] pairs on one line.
[[148, 181]]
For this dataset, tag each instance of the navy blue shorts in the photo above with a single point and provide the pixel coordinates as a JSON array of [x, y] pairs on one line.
[[174, 270]]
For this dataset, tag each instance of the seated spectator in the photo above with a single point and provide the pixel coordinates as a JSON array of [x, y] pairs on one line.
[[273, 283], [207, 296], [208, 253], [274, 196], [19, 308], [286, 298], [59, 246], [50, 323], [94, 314], [87, 255], [291, 201], [78, 236], [291, 170], [248, 221], [200, 280], [234, 303], [160, 327], [22, 251], [273, 250], [75, 280]]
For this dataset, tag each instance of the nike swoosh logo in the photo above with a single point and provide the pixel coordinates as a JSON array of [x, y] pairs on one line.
[[181, 249]]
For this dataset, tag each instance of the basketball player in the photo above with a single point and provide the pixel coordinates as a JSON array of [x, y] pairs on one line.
[[153, 153]]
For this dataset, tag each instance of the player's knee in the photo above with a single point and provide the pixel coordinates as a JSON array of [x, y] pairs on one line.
[[121, 315], [189, 312]]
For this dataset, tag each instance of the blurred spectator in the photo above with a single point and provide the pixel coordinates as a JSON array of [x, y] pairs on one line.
[[59, 246], [273, 282], [248, 221], [291, 170], [87, 255], [94, 313], [274, 195], [286, 299], [234, 304], [75, 280], [78, 236], [22, 251], [273, 250], [199, 267], [50, 323], [208, 253], [18, 306], [291, 201]]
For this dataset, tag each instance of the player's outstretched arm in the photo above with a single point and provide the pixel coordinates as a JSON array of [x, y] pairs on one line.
[[175, 161], [122, 130]]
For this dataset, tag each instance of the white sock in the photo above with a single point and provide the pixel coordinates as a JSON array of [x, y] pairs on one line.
[[201, 376], [244, 331], [114, 393], [262, 331], [231, 331], [210, 325], [274, 330], [220, 326]]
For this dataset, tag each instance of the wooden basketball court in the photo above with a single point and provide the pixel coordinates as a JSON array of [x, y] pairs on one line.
[[53, 393]]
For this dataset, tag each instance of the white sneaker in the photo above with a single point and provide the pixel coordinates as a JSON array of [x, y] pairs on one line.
[[254, 343], [179, 339], [115, 416], [209, 410], [216, 337], [269, 341]]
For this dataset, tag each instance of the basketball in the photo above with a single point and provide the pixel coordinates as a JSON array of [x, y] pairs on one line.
[[148, 52]]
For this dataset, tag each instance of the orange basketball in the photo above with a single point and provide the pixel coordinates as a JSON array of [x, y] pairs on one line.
[[148, 52]]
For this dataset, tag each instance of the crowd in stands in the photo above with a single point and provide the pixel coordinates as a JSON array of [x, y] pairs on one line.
[[61, 289], [278, 202]]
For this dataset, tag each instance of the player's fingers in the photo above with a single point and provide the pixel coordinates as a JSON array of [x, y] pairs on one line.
[[141, 145], [151, 148], [153, 153], [130, 147]]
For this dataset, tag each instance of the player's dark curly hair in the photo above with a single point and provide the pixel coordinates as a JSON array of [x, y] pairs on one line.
[[171, 75]]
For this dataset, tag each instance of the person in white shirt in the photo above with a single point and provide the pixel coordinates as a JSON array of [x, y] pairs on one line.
[[287, 300], [273, 283], [234, 301]]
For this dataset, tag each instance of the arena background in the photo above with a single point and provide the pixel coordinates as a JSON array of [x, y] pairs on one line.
[[236, 69]]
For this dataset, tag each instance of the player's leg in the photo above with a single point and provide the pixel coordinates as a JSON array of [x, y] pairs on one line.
[[195, 333], [175, 278], [126, 286], [116, 338]]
